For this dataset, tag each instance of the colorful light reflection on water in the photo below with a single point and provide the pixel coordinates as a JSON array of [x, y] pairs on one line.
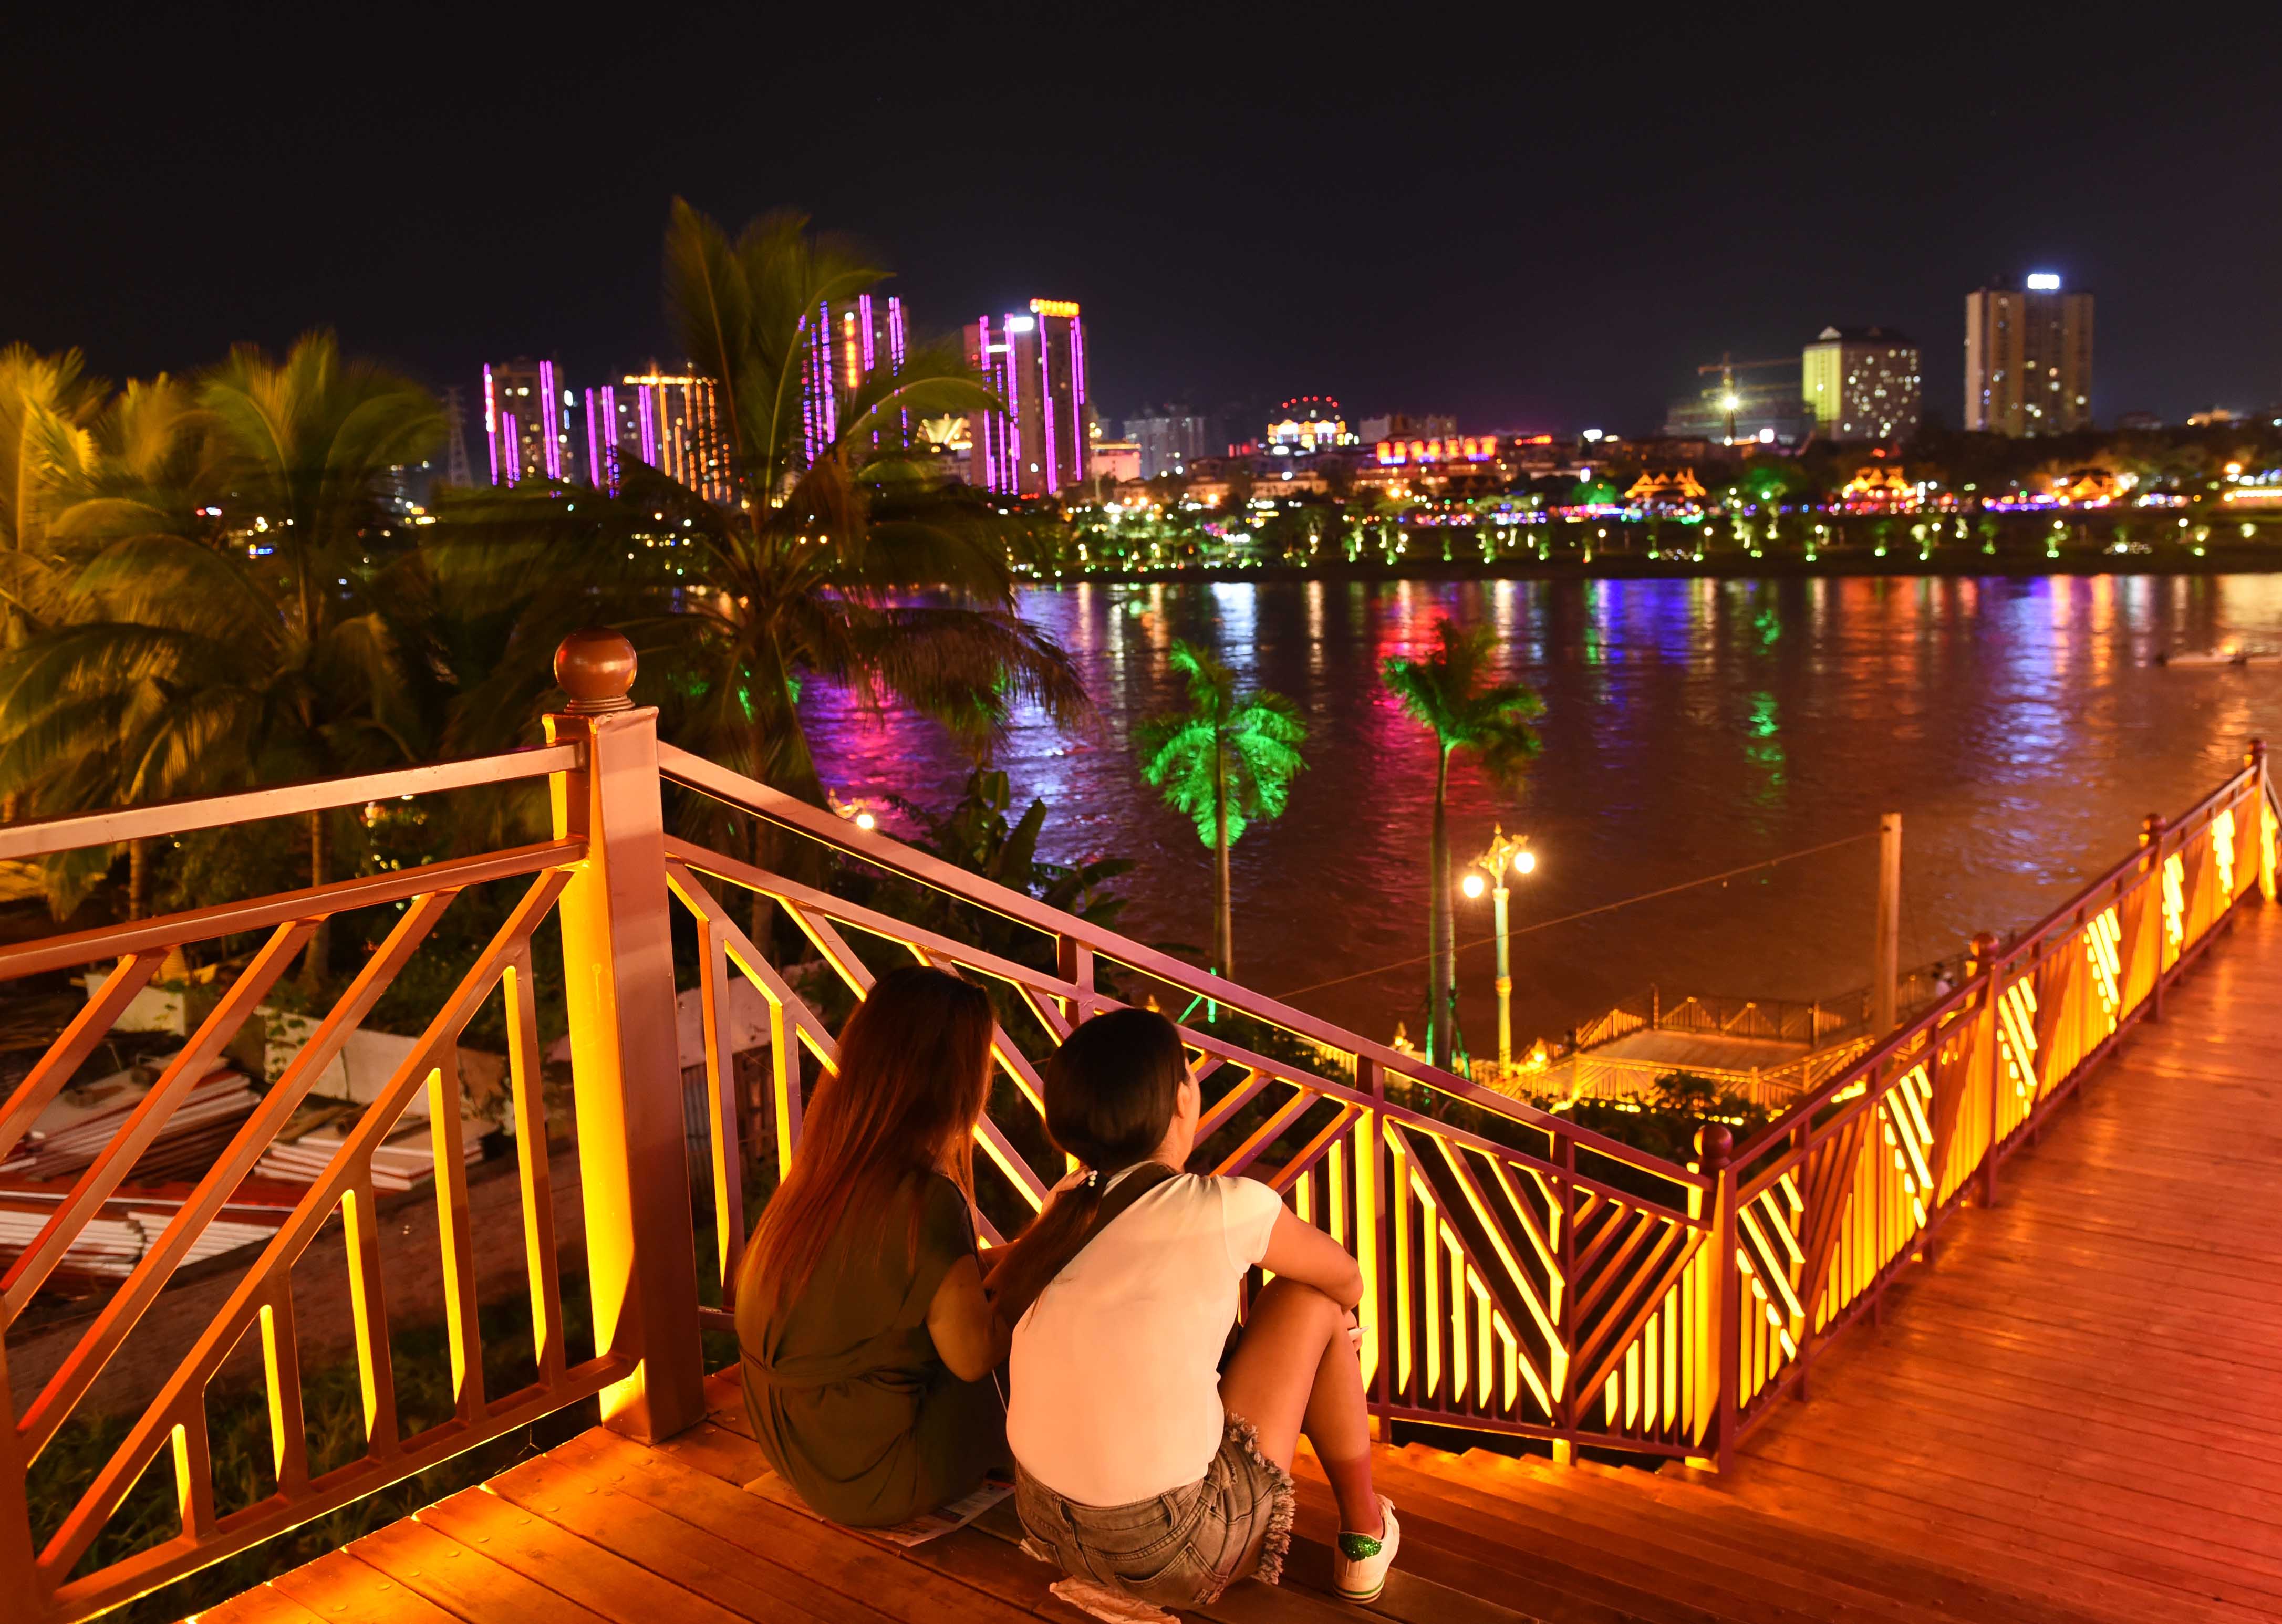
[[1691, 726]]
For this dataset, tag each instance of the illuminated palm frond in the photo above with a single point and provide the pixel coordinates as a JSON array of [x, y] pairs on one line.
[[1225, 762]]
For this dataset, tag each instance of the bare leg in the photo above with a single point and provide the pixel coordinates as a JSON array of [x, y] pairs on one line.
[[1295, 1371]]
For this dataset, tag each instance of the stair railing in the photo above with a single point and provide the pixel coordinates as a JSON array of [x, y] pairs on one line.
[[1524, 1276]]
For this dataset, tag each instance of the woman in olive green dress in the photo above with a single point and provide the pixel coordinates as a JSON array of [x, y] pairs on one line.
[[868, 1345]]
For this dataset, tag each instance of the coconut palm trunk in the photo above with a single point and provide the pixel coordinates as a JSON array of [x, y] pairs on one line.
[[1447, 691], [1223, 911], [138, 879], [1438, 939]]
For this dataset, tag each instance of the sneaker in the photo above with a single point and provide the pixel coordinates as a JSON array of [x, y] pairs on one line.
[[1359, 1561]]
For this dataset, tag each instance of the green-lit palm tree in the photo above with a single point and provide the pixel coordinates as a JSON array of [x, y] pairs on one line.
[[1226, 761], [1452, 693], [222, 626], [829, 554]]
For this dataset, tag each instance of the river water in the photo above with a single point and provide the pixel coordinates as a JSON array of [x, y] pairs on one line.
[[1690, 727]]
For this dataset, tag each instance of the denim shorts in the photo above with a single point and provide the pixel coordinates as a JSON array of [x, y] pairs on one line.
[[1179, 1549]]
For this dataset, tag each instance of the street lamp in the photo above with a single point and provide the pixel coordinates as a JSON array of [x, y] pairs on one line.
[[1505, 851]]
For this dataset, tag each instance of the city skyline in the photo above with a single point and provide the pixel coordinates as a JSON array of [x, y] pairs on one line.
[[1513, 245]]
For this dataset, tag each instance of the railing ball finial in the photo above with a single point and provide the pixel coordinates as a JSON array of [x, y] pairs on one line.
[[595, 666], [2151, 828], [1714, 1146], [1984, 947], [2256, 753]]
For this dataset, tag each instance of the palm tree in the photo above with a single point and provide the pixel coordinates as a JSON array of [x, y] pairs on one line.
[[225, 626], [1450, 691], [812, 566], [46, 454], [1226, 761]]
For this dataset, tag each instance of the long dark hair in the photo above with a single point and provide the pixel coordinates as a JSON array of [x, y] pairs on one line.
[[1112, 1089], [912, 1080]]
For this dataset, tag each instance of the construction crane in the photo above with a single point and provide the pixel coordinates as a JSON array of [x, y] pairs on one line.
[[1727, 366]]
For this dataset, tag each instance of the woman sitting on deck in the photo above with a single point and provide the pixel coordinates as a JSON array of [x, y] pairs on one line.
[[1140, 1465], [868, 1346]]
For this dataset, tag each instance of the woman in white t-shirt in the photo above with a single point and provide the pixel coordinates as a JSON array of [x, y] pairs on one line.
[[1142, 1464]]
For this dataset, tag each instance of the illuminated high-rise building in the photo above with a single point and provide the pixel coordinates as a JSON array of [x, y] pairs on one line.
[[844, 344], [1035, 444], [669, 421], [527, 422], [2027, 358], [1171, 438], [1862, 383]]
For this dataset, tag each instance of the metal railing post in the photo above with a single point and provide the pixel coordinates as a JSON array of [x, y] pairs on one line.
[[16, 1551], [2151, 836], [618, 987], [2255, 759], [1714, 1145], [1988, 1057]]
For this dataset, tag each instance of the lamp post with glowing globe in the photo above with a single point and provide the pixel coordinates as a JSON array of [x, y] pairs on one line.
[[1506, 852]]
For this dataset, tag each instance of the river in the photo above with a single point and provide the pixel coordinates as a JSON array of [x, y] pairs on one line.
[[1690, 727]]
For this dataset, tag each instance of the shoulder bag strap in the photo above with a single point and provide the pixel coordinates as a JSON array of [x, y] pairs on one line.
[[1015, 1297]]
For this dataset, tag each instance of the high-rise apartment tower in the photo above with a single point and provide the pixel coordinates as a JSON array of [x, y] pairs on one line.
[[527, 426], [1035, 444], [669, 421], [1861, 382], [2027, 358]]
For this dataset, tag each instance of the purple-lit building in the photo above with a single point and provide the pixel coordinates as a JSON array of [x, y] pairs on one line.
[[527, 423], [669, 421], [1034, 359], [846, 343]]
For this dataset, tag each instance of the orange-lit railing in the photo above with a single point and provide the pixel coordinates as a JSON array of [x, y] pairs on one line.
[[645, 1365], [1523, 1275], [1821, 1210]]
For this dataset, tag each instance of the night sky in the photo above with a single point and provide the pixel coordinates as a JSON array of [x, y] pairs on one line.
[[1532, 223]]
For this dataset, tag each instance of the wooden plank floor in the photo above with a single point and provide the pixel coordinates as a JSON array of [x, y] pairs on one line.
[[2072, 1416], [2088, 1377]]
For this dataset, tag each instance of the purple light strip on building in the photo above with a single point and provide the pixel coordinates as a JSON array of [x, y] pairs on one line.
[[1078, 368], [1046, 408], [648, 415], [490, 423], [508, 430], [896, 357], [1012, 387], [864, 322], [597, 475], [550, 434], [983, 364], [824, 354], [808, 401]]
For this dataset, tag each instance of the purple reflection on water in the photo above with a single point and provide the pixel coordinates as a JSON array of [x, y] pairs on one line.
[[1690, 726]]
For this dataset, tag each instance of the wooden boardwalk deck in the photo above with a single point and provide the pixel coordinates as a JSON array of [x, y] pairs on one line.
[[2088, 1378], [2072, 1415]]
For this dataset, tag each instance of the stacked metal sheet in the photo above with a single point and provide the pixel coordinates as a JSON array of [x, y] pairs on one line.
[[405, 1159], [113, 1241], [81, 1120]]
